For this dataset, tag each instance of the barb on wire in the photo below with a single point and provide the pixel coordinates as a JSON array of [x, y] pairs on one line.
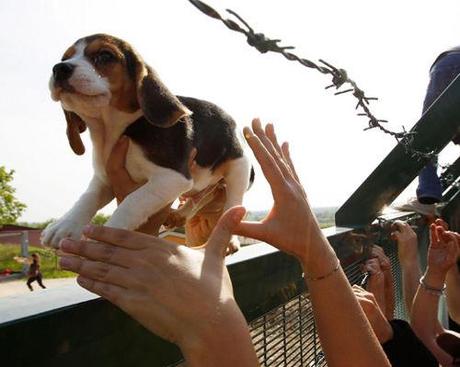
[[339, 76]]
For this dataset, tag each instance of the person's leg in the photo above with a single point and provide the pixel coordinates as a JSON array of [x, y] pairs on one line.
[[29, 282], [429, 189], [39, 280]]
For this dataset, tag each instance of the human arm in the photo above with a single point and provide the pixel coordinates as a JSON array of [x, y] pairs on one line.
[[452, 282], [291, 226], [408, 259], [453, 293], [181, 294], [385, 266], [442, 255]]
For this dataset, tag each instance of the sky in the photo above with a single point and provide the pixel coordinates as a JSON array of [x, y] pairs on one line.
[[387, 47]]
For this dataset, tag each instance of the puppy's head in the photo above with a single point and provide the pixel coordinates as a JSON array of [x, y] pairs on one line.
[[100, 72]]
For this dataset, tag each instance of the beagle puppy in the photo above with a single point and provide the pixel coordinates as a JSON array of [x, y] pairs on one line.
[[105, 86]]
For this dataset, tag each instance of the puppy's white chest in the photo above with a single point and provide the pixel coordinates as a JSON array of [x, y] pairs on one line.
[[139, 167]]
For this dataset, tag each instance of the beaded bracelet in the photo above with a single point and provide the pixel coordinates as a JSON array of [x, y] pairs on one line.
[[325, 275], [431, 290]]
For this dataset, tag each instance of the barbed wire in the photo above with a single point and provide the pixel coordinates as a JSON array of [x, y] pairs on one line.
[[339, 76]]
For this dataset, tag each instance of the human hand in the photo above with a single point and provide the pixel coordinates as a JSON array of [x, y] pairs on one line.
[[199, 227], [378, 253], [385, 266], [374, 314], [376, 281], [181, 294], [290, 225], [442, 255], [407, 243], [122, 185]]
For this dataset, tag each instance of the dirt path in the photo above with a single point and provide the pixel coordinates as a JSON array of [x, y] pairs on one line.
[[16, 287]]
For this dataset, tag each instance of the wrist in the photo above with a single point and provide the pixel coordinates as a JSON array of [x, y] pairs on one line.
[[385, 333], [408, 260], [434, 278], [320, 261]]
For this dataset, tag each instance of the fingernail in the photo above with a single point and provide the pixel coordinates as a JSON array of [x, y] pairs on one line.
[[66, 262], [247, 133], [88, 230]]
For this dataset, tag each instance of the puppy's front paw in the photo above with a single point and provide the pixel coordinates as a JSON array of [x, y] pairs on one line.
[[63, 228]]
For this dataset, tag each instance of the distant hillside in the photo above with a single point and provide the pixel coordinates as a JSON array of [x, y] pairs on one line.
[[325, 215]]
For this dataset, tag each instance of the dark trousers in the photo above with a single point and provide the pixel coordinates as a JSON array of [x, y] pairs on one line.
[[442, 73], [37, 278]]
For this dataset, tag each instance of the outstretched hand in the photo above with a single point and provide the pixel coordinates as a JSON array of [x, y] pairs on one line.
[[443, 250], [290, 225], [182, 294]]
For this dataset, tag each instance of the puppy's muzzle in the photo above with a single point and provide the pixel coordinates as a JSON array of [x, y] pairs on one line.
[[62, 71]]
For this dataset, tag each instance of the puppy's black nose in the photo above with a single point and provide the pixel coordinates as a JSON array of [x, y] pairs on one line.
[[62, 71]]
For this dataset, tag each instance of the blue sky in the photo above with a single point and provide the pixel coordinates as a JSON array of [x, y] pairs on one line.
[[387, 48]]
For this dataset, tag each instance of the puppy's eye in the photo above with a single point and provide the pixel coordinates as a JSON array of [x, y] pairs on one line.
[[103, 57]]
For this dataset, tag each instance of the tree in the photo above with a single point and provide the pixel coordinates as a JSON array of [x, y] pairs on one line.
[[100, 219], [10, 207]]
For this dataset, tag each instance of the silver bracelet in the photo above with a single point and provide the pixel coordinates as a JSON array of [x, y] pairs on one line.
[[431, 290]]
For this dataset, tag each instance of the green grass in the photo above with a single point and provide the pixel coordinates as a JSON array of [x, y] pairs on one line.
[[48, 264]]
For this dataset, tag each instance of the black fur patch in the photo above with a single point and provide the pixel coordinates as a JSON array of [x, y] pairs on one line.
[[210, 130]]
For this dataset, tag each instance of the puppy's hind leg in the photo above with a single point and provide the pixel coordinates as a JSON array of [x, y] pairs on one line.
[[237, 174]]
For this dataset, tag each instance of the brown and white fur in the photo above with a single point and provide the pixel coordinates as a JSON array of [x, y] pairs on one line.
[[103, 84]]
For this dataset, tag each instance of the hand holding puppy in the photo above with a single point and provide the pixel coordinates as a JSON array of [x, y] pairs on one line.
[[181, 294]]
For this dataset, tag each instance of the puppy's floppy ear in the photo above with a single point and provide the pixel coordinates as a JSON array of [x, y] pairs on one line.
[[160, 106], [75, 126]]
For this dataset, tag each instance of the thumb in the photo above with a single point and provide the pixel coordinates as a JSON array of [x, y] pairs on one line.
[[220, 236]]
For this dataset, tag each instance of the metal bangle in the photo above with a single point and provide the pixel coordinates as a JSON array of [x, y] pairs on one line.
[[325, 275], [431, 290]]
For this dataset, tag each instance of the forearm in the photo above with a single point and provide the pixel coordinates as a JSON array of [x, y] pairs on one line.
[[411, 274], [453, 294], [226, 344], [347, 339], [424, 320]]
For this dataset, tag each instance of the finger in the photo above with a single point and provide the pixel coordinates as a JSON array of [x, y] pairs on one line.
[[442, 223], [441, 234], [255, 230], [287, 158], [270, 132], [286, 167], [259, 131], [98, 251], [399, 225], [433, 235], [358, 288], [269, 167], [122, 238], [223, 231], [106, 273], [110, 292]]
